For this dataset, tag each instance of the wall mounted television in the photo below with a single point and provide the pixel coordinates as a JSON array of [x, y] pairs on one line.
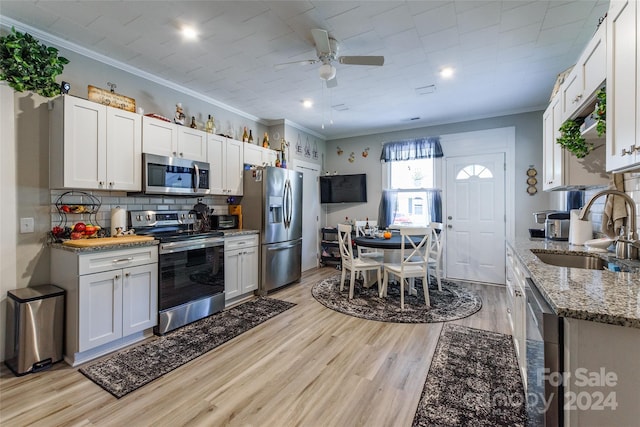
[[343, 188]]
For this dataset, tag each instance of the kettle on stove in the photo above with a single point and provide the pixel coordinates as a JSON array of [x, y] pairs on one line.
[[202, 213]]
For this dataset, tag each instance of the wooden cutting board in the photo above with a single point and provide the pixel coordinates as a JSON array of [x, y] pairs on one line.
[[105, 241]]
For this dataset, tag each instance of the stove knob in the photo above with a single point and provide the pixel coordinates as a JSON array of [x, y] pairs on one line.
[[148, 217], [138, 217]]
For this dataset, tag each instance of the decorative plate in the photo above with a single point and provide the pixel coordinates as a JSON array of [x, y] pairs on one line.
[[532, 172], [532, 181], [532, 190]]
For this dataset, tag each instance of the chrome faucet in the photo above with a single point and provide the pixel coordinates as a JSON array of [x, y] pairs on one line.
[[625, 247]]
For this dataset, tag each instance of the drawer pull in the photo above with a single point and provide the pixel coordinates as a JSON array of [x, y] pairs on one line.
[[123, 259]]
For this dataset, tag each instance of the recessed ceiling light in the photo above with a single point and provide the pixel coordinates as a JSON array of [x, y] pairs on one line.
[[189, 33], [307, 103], [446, 72]]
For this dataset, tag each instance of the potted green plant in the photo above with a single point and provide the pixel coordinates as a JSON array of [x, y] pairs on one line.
[[28, 65], [600, 113], [571, 138]]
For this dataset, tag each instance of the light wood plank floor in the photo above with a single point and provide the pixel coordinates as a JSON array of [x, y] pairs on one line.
[[309, 366]]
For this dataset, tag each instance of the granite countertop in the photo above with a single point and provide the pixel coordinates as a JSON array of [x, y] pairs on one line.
[[596, 295], [238, 232], [112, 247], [104, 247]]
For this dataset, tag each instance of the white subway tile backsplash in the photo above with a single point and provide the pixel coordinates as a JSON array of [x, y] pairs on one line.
[[131, 203]]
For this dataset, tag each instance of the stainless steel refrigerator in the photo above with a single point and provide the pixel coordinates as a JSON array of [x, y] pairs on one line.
[[272, 203]]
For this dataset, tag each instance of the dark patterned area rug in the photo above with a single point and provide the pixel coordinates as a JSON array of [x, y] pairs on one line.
[[473, 381], [454, 302], [127, 370]]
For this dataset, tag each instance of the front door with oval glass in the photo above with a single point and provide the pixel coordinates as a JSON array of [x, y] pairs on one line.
[[475, 224]]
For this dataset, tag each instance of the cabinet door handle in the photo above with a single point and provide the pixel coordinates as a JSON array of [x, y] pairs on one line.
[[123, 259], [181, 155], [630, 151], [117, 276], [127, 274]]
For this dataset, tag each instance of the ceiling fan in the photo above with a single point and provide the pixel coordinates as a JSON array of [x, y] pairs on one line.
[[327, 50]]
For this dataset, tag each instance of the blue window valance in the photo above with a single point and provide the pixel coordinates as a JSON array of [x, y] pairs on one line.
[[411, 149]]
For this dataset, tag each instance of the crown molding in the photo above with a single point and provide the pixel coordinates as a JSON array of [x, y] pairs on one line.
[[7, 23]]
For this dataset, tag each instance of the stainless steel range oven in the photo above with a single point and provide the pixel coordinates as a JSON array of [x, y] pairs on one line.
[[191, 267]]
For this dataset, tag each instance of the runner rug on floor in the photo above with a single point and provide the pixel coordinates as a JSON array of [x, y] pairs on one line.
[[473, 380], [127, 370], [453, 302]]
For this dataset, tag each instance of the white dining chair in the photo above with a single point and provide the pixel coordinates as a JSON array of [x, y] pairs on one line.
[[363, 252], [349, 262], [413, 262], [435, 252]]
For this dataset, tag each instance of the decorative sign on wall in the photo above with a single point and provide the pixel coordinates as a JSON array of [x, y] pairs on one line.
[[365, 153], [112, 99], [315, 150], [532, 180], [298, 146], [307, 149], [352, 157], [339, 151]]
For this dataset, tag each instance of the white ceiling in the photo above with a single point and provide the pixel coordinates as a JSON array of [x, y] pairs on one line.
[[506, 54]]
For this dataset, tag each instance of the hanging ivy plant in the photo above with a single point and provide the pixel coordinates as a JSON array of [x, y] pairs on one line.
[[600, 113], [571, 138], [28, 65]]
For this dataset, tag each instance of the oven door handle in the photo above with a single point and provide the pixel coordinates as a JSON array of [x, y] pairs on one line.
[[171, 247]]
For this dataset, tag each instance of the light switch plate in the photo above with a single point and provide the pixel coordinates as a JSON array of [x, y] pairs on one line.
[[27, 225]]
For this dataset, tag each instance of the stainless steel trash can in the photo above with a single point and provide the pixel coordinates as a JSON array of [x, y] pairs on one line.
[[35, 325]]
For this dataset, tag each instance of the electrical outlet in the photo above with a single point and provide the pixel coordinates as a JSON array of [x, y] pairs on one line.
[[27, 225]]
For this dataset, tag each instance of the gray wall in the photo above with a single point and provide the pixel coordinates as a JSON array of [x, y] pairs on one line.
[[528, 151]]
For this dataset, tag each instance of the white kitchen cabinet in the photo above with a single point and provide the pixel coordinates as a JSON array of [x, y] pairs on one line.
[[579, 89], [226, 159], [623, 78], [552, 153], [112, 298], [259, 156], [192, 144], [172, 140], [93, 146], [516, 307], [562, 170], [240, 265]]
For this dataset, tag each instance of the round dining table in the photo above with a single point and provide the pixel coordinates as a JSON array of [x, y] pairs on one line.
[[389, 245], [391, 248]]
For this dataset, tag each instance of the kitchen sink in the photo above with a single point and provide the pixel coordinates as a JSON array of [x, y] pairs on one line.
[[572, 260]]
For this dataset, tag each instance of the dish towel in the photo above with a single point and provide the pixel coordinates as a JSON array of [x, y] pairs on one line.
[[615, 209]]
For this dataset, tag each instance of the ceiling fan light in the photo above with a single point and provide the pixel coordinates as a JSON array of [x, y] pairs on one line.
[[327, 71]]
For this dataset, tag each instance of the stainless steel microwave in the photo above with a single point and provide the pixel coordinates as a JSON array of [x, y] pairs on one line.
[[172, 175]]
